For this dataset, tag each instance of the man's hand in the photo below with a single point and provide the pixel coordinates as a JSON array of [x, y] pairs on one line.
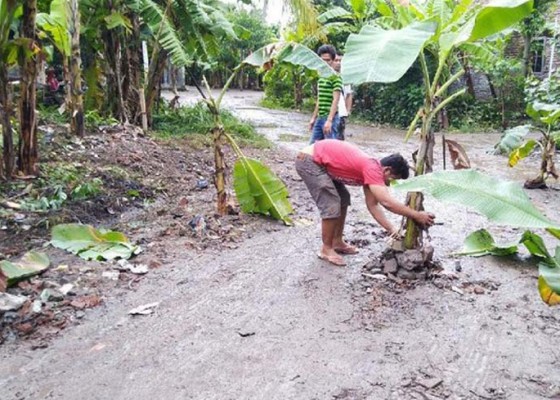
[[311, 124], [327, 127], [425, 219]]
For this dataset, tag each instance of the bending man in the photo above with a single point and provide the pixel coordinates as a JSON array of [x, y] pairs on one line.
[[326, 166]]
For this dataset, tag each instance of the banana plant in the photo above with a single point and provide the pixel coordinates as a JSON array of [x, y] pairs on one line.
[[9, 11], [437, 30], [545, 117], [62, 26], [258, 189], [481, 243], [501, 202]]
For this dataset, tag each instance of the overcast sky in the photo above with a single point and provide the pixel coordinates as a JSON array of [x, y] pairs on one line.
[[275, 13]]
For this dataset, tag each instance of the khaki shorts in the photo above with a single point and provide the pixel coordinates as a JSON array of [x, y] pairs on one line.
[[329, 195]]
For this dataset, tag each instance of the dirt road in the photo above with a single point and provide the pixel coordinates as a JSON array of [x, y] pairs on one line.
[[270, 321]]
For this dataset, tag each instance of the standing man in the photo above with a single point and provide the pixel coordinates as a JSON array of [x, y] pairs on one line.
[[324, 122], [345, 102], [329, 164]]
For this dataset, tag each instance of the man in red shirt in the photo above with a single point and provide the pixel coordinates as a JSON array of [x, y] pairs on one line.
[[326, 166]]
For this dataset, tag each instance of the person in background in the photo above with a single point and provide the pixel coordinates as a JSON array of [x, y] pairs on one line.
[[324, 121], [345, 102]]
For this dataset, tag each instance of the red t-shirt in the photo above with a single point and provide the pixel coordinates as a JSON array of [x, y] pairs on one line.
[[347, 163]]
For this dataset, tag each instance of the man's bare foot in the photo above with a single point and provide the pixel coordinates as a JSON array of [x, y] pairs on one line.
[[331, 257], [345, 248]]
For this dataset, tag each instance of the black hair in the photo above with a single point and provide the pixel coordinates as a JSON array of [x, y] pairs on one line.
[[327, 48], [339, 53], [397, 163]]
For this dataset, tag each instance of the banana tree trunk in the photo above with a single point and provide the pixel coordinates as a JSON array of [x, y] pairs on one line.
[[7, 166], [76, 98], [27, 161], [220, 165], [132, 71], [113, 72], [155, 73]]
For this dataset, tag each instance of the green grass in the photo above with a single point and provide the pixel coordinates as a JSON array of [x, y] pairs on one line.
[[196, 122]]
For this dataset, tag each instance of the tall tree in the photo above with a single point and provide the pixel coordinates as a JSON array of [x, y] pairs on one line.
[[28, 157], [7, 12], [76, 99]]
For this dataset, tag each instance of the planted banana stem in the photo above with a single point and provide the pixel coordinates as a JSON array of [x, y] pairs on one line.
[[219, 176]]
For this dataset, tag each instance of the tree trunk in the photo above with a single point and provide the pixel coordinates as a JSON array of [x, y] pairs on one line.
[[527, 55], [492, 87], [157, 66], [132, 71], [468, 74], [7, 133], [113, 73], [27, 161], [75, 89], [298, 89]]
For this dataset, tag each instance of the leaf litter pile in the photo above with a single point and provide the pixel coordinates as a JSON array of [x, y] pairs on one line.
[[153, 193]]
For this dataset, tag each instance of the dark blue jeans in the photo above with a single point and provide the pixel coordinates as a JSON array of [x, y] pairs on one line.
[[317, 133]]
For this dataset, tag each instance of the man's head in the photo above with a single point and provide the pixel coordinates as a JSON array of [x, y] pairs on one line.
[[327, 53], [337, 62], [394, 167]]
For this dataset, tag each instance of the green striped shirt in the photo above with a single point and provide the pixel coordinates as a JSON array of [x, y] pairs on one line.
[[326, 88]]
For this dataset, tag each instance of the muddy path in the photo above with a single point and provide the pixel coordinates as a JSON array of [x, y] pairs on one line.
[[268, 320]]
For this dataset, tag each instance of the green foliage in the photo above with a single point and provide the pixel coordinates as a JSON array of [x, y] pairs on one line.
[[467, 114], [393, 104], [31, 264], [511, 139], [92, 244], [279, 87], [59, 184], [481, 243], [258, 190], [252, 34], [545, 91], [197, 120]]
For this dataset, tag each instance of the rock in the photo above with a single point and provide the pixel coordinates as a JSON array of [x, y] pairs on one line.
[[37, 306], [410, 259], [9, 302], [405, 274], [429, 383], [66, 289], [390, 266], [427, 253], [373, 264], [112, 275], [479, 290], [51, 295], [458, 266], [397, 245]]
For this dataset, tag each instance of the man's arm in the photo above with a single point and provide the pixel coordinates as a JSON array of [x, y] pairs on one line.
[[332, 112], [381, 194], [377, 212], [314, 115]]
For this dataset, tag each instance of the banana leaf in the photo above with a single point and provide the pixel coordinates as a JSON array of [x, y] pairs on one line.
[[32, 263], [334, 13], [548, 295], [498, 15], [511, 139], [500, 201], [521, 152], [293, 53], [481, 243], [92, 244], [378, 55], [260, 191]]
